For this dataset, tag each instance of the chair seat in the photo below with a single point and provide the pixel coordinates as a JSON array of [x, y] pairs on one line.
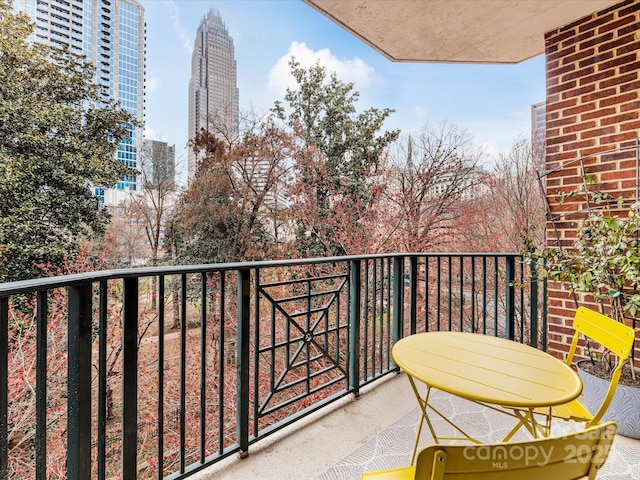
[[405, 473]]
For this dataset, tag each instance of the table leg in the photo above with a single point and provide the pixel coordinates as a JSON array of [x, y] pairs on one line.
[[423, 403], [424, 418]]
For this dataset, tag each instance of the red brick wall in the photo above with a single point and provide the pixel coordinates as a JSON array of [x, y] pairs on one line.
[[593, 112]]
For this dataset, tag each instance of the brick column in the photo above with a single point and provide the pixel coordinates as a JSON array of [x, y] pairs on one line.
[[593, 107]]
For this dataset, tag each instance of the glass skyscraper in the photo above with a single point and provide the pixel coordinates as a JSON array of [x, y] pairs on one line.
[[213, 91], [111, 35]]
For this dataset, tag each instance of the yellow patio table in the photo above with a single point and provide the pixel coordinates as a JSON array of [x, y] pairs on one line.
[[494, 372]]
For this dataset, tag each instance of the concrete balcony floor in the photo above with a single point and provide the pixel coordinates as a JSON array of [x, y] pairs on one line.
[[380, 426]]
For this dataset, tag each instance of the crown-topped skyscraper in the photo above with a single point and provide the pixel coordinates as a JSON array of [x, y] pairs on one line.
[[213, 91]]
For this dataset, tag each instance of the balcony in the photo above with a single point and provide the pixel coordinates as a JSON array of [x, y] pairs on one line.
[[177, 371]]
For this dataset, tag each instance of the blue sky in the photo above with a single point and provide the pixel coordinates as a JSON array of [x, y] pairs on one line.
[[493, 102]]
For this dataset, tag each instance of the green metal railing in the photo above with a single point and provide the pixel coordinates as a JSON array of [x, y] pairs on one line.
[[161, 372]]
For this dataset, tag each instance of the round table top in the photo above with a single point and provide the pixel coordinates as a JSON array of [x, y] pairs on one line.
[[487, 369]]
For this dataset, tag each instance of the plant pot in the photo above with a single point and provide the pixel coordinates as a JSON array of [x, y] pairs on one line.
[[624, 408]]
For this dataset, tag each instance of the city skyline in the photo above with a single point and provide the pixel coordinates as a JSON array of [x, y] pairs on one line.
[[492, 101]]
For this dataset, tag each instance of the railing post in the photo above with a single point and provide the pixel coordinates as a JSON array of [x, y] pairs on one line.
[[413, 294], [42, 316], [398, 298], [102, 381], [183, 372], [510, 299], [533, 295], [244, 296], [130, 379], [354, 328], [4, 386], [79, 383]]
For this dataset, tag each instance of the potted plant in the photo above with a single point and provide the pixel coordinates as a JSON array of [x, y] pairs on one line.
[[602, 266]]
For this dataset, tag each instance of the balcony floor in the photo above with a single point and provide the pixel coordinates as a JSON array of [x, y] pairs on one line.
[[377, 431]]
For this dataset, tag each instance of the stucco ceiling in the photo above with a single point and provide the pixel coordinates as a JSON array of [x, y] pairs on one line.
[[465, 31]]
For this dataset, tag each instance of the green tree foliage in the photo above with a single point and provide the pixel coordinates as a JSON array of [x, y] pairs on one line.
[[58, 136], [339, 154]]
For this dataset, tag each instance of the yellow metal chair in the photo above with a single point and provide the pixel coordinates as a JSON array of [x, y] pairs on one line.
[[577, 455], [613, 336]]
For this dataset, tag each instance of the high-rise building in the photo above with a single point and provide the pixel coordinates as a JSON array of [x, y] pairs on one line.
[[111, 35], [159, 163], [213, 91], [538, 134]]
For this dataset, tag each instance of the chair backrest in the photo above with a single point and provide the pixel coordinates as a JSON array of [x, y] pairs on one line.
[[572, 456], [615, 336]]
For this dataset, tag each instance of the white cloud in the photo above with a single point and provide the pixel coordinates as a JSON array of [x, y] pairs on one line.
[[150, 133], [347, 70], [174, 15], [152, 84]]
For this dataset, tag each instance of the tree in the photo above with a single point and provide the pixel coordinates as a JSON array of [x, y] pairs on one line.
[[337, 161], [432, 175], [58, 137], [141, 232], [510, 214], [235, 208], [517, 197], [127, 232]]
